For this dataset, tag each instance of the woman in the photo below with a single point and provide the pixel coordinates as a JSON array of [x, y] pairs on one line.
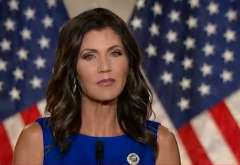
[[98, 100]]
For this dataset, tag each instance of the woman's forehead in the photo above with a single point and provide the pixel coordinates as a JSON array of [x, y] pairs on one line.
[[101, 37]]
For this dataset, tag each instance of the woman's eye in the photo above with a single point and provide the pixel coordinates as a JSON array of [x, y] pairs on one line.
[[116, 53], [88, 57]]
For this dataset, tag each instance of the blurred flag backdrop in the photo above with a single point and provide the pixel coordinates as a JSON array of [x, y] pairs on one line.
[[29, 31], [191, 59]]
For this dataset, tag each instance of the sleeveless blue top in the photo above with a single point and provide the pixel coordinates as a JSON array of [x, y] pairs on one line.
[[82, 151]]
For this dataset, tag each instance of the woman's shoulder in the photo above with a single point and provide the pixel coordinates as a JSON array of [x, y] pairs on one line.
[[31, 131], [160, 130], [165, 135], [162, 133], [168, 147], [29, 142]]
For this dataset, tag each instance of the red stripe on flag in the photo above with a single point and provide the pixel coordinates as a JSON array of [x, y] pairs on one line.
[[193, 146], [227, 126], [30, 115], [6, 152]]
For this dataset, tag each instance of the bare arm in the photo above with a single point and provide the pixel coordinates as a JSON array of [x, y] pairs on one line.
[[29, 147], [168, 149]]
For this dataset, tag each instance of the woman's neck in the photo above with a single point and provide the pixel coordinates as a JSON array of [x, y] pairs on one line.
[[99, 119]]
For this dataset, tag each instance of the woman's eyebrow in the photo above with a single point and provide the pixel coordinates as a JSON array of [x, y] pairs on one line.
[[94, 50]]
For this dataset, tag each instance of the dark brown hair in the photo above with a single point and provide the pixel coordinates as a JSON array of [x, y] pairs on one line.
[[135, 101]]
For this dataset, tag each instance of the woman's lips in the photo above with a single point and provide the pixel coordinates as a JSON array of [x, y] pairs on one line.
[[106, 82]]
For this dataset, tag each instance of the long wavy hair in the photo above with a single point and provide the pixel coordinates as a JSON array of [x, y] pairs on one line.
[[63, 104]]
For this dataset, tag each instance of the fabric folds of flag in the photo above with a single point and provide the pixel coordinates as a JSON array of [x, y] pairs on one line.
[[29, 31], [191, 57]]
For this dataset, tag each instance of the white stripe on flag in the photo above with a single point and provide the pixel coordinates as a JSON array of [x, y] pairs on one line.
[[13, 126], [233, 104], [41, 107], [211, 139]]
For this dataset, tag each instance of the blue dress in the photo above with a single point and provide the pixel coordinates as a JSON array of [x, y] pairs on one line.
[[117, 149]]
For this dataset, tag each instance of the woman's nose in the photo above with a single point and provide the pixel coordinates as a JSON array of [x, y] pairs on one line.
[[104, 65]]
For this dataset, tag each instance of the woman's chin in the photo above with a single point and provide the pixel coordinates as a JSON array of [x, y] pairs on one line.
[[106, 99]]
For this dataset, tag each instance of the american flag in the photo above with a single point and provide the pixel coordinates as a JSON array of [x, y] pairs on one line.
[[192, 61], [29, 31]]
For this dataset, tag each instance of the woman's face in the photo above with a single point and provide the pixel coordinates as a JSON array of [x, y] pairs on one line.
[[102, 65]]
